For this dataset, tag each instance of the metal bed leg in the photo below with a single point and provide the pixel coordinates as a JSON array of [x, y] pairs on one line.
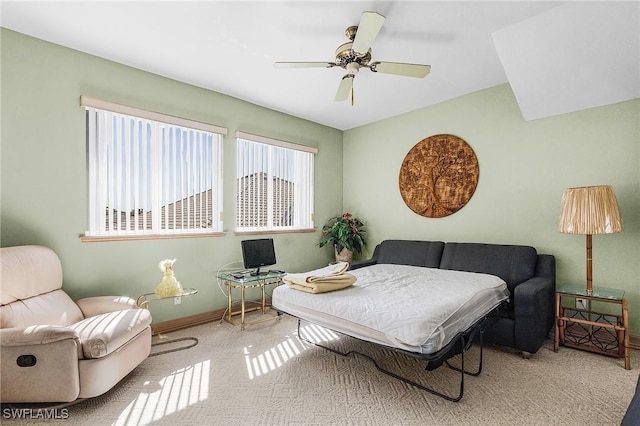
[[479, 370], [465, 346]]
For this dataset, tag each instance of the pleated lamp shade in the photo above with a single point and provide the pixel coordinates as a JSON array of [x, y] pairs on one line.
[[590, 210]]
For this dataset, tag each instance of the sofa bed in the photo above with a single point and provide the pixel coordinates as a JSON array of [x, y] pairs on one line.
[[522, 323], [432, 299], [632, 416]]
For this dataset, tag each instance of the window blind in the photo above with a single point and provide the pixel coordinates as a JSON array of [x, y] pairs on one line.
[[151, 177], [274, 185]]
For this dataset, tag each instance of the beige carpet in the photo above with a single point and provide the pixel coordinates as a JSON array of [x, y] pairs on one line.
[[266, 376]]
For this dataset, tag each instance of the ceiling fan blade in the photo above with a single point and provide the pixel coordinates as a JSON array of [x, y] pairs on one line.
[[304, 64], [368, 29], [345, 88], [398, 68]]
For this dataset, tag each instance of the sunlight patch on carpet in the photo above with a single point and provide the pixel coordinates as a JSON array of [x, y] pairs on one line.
[[276, 356], [172, 393]]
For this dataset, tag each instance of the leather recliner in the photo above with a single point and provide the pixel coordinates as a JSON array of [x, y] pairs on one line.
[[53, 349]]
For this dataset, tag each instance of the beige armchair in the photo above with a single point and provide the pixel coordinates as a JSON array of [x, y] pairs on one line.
[[55, 350]]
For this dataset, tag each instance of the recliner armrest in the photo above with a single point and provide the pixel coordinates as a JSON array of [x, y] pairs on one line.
[[103, 334], [92, 306], [36, 335]]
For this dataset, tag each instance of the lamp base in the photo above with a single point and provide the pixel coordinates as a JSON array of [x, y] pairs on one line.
[[589, 242]]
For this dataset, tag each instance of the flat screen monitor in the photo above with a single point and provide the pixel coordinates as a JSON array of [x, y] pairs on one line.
[[258, 253]]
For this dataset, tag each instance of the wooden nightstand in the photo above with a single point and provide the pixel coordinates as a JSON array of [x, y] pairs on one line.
[[591, 329]]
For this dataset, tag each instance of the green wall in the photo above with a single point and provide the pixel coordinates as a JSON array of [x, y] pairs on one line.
[[524, 168], [44, 174]]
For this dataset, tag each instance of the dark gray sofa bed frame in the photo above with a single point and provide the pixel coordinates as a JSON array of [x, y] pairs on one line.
[[525, 320]]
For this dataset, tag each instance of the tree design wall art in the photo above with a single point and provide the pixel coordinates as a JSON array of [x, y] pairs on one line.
[[438, 176]]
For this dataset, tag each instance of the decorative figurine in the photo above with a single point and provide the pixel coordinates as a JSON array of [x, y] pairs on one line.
[[169, 286]]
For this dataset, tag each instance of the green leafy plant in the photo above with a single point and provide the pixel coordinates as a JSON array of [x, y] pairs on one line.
[[344, 231]]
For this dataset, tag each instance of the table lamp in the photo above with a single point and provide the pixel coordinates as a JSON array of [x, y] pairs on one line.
[[590, 210]]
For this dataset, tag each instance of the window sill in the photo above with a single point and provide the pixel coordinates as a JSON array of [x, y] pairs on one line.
[[106, 238], [281, 231]]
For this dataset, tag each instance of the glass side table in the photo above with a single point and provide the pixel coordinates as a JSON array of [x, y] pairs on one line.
[[242, 283], [143, 300], [586, 329]]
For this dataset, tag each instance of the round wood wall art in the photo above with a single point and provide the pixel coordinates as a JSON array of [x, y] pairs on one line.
[[438, 176]]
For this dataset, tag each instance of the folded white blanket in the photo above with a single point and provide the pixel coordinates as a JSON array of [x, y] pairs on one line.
[[329, 278]]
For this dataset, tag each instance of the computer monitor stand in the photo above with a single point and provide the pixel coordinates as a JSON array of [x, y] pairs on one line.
[[259, 272]]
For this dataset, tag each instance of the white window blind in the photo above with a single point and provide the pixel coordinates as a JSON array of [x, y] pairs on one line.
[[151, 177], [274, 184]]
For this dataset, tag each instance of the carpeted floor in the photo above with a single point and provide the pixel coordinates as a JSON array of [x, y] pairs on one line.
[[265, 375]]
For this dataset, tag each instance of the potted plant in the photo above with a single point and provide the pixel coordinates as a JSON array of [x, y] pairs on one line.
[[346, 234]]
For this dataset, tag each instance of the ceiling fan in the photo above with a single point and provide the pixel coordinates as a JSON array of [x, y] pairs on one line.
[[356, 54]]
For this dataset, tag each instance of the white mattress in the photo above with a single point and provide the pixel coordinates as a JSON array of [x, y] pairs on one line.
[[406, 307]]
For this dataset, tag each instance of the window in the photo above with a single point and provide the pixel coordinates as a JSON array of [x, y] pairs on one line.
[[274, 185], [150, 173]]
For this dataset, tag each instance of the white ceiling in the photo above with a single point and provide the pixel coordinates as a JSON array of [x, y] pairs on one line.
[[573, 57], [230, 47]]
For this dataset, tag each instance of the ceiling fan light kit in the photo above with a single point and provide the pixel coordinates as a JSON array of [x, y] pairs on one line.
[[356, 53]]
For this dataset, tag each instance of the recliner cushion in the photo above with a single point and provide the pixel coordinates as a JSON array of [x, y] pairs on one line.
[[28, 271], [413, 253], [514, 264], [102, 334], [53, 308]]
